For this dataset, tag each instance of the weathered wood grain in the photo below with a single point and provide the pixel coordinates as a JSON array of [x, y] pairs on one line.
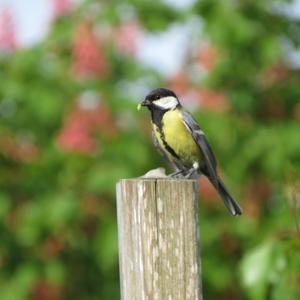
[[158, 239]]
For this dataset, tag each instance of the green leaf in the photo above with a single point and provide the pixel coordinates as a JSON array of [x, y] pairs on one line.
[[256, 268]]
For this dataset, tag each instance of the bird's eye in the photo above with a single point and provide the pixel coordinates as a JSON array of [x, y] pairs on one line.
[[156, 97]]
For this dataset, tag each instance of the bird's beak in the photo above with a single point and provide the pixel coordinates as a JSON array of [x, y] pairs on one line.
[[144, 103]]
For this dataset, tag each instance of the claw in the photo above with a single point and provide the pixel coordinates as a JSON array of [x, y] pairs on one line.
[[177, 174], [185, 174], [191, 174]]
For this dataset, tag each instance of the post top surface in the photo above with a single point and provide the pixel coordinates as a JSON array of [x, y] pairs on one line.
[[141, 179]]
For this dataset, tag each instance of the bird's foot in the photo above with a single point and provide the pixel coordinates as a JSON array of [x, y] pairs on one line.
[[185, 174], [177, 174], [191, 174]]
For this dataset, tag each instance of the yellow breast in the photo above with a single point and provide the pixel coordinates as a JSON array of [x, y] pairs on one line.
[[179, 138]]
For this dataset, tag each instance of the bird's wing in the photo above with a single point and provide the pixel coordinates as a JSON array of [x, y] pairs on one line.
[[161, 150], [200, 139]]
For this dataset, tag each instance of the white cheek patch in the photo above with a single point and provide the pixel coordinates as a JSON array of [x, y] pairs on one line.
[[169, 102]]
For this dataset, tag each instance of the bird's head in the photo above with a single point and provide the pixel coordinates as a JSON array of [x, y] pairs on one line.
[[161, 99]]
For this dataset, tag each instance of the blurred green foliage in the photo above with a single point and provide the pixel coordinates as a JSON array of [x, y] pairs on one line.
[[57, 203]]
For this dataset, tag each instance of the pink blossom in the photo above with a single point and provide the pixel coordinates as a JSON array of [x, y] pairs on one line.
[[61, 7], [88, 54], [127, 38], [81, 127], [7, 30]]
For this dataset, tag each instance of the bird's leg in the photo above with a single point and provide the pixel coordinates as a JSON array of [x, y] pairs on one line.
[[190, 174], [177, 174]]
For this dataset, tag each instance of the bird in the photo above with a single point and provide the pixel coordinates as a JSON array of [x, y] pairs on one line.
[[183, 143]]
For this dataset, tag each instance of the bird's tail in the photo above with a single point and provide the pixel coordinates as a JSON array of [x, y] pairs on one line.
[[230, 203]]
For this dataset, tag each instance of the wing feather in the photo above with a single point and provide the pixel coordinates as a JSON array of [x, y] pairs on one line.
[[211, 163], [200, 139]]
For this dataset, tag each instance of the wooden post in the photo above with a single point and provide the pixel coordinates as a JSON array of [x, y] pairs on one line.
[[158, 239]]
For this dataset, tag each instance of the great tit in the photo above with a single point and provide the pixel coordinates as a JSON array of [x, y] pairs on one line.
[[183, 143]]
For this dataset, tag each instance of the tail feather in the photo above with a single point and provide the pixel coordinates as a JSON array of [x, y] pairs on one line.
[[230, 203]]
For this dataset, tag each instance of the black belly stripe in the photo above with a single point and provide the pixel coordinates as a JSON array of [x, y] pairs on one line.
[[167, 146]]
